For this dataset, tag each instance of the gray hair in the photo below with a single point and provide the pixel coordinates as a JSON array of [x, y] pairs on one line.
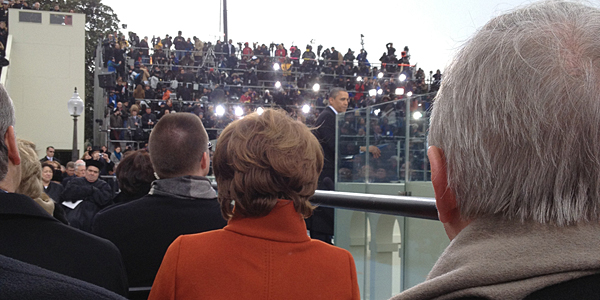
[[7, 119], [518, 116], [335, 91]]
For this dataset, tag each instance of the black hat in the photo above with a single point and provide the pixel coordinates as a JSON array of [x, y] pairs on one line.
[[94, 163]]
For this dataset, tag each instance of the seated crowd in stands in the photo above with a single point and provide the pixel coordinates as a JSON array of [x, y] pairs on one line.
[[179, 74]]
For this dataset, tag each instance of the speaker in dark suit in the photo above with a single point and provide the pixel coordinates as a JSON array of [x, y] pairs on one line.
[[321, 222]]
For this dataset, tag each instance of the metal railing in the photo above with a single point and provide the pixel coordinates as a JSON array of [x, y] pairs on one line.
[[405, 206]]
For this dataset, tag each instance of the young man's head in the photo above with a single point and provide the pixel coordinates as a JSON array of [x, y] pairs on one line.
[[178, 146], [70, 168], [50, 151]]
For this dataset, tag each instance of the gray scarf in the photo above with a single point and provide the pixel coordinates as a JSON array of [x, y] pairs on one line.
[[186, 187], [500, 259]]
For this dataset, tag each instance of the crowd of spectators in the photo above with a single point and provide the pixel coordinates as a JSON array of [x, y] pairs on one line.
[[223, 81]]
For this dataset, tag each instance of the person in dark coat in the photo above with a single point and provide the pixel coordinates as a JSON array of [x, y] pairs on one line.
[[148, 119], [85, 196], [25, 281], [182, 201], [49, 155], [320, 223], [79, 172], [52, 189], [30, 234]]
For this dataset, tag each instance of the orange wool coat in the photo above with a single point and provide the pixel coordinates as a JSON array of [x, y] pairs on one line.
[[256, 258]]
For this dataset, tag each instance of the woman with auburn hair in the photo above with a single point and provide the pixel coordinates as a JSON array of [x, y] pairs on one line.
[[267, 167]]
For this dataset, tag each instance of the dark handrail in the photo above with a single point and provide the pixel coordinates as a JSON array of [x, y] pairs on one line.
[[414, 207]]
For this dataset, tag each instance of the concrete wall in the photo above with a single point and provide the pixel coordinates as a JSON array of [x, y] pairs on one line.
[[46, 62]]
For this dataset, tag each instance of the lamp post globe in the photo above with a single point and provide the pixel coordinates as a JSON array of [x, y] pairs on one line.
[[75, 106]]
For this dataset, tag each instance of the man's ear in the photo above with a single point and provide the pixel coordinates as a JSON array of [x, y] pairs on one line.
[[10, 140], [445, 199], [205, 163]]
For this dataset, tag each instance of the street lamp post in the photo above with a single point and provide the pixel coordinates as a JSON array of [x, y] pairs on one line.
[[75, 106]]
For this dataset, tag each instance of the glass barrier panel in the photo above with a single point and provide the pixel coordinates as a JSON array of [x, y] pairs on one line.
[[351, 141], [418, 122], [373, 146], [387, 141], [391, 253]]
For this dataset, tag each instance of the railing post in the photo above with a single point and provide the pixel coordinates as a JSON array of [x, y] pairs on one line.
[[407, 141], [99, 101]]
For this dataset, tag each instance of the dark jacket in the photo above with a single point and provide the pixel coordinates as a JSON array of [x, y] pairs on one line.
[[29, 234], [321, 222], [24, 281], [146, 118], [95, 196], [66, 180], [325, 133], [46, 159], [143, 229], [54, 190]]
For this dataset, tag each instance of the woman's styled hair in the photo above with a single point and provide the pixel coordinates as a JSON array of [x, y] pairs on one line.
[[262, 158]]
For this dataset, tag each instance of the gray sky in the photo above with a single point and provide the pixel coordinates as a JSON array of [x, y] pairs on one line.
[[432, 29]]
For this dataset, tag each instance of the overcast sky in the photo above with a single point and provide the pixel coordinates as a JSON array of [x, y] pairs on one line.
[[432, 29]]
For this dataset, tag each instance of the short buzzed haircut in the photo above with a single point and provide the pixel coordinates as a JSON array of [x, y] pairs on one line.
[[177, 144], [71, 164], [7, 119]]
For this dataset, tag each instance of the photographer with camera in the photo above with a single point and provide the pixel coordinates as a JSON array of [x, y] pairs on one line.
[[308, 59], [198, 51]]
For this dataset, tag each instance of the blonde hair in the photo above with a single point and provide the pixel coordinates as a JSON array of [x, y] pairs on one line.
[[31, 176]]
